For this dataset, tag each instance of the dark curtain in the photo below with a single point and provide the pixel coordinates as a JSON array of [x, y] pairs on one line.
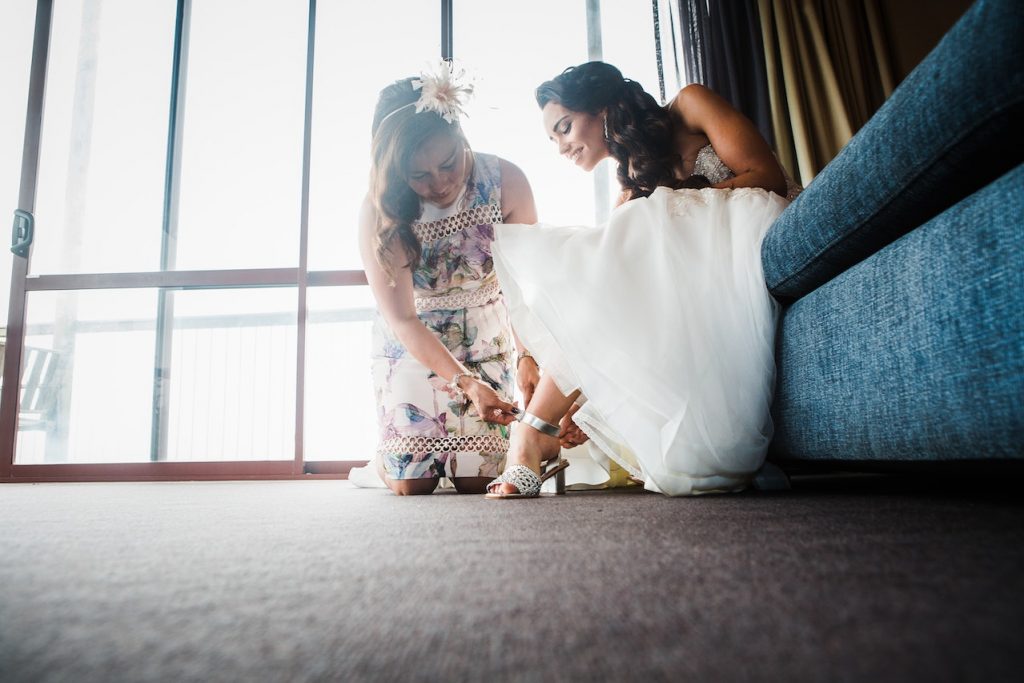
[[723, 49], [829, 69]]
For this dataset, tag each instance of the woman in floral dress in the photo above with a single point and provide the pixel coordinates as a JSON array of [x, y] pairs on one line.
[[443, 348]]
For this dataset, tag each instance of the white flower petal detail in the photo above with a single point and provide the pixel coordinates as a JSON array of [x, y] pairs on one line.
[[443, 91]]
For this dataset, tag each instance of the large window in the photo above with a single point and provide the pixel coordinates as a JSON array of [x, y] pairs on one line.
[[241, 135], [194, 303], [503, 117], [99, 202], [359, 50], [90, 354]]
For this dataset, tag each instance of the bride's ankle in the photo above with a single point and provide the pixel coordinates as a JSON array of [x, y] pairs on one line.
[[532, 442]]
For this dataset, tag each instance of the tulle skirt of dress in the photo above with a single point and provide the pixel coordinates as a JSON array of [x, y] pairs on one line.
[[663, 321]]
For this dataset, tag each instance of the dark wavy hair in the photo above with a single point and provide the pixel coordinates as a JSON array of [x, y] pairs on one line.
[[398, 133], [640, 131]]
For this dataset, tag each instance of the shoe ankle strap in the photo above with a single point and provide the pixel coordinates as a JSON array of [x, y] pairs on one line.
[[540, 425]]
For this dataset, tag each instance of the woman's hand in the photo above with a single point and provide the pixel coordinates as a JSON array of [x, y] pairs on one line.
[[527, 378], [489, 405], [570, 435]]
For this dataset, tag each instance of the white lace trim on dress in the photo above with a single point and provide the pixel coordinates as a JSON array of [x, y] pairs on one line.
[[683, 199], [485, 214], [480, 296], [487, 443]]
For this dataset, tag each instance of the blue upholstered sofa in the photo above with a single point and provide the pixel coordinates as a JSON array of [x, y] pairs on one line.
[[901, 269]]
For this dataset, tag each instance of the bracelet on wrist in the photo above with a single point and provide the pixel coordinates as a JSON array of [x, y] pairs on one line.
[[454, 387], [526, 354]]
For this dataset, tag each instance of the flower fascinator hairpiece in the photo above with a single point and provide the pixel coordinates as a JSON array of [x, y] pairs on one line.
[[444, 90]]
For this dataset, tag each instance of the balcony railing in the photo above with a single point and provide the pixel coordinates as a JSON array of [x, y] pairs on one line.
[[87, 389]]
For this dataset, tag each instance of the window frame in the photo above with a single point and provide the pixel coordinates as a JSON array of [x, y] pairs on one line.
[[167, 280]]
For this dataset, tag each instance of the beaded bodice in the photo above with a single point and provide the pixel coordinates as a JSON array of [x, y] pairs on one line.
[[710, 166]]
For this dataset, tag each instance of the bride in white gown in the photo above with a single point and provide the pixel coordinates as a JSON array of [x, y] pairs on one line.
[[659, 322]]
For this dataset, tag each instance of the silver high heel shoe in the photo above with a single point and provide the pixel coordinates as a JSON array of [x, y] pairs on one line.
[[526, 481]]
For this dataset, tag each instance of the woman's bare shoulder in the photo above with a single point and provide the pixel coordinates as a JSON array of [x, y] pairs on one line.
[[510, 171], [517, 203], [367, 216], [695, 103]]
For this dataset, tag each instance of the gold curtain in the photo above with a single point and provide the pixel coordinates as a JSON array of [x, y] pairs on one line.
[[829, 68]]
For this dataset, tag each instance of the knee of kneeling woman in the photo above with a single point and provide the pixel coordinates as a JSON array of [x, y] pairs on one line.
[[412, 487], [472, 485]]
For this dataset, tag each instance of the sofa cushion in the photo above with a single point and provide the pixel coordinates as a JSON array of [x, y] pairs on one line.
[[916, 353], [951, 127]]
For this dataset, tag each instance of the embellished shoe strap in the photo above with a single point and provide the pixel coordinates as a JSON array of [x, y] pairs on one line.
[[540, 425]]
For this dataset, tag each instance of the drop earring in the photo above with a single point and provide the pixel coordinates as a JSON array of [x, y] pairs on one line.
[[606, 138]]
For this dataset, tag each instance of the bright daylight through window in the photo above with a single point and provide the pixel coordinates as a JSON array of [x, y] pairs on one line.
[[159, 156]]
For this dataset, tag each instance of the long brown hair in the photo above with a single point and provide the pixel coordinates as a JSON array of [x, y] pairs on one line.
[[398, 133], [639, 131]]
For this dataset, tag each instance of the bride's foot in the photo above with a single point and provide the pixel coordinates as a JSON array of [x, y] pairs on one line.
[[528, 447]]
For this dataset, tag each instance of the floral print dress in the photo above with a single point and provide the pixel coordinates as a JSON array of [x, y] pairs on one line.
[[425, 431]]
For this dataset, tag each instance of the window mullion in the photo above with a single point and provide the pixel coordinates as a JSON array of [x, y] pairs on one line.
[[446, 29], [595, 51], [300, 341], [169, 233]]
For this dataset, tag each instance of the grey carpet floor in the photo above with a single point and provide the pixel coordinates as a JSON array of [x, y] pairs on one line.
[[311, 581]]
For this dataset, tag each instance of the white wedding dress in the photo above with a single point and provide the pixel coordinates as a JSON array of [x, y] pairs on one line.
[[662, 319]]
